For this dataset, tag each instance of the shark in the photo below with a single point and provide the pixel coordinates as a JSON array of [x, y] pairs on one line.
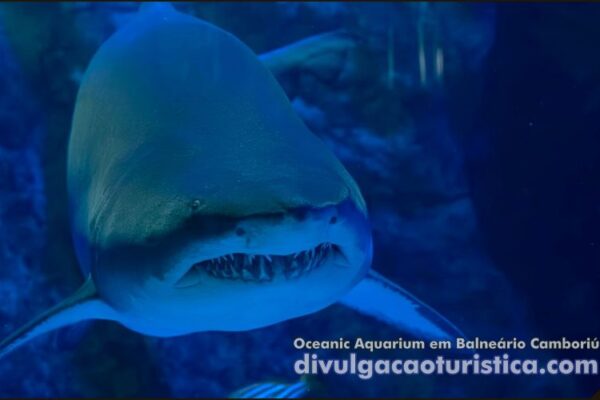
[[200, 201]]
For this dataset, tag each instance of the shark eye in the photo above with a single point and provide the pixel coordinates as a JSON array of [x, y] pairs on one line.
[[333, 220], [195, 205], [240, 232]]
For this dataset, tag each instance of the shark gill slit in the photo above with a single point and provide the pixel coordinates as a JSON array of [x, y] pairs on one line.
[[262, 268]]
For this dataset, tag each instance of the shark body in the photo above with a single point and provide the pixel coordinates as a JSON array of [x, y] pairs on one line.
[[200, 201], [198, 193]]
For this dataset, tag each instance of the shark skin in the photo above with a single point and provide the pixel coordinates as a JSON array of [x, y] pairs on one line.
[[199, 200]]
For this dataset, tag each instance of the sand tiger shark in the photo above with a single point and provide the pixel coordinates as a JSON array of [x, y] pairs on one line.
[[200, 201]]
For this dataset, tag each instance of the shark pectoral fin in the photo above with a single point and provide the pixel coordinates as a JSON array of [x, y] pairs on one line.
[[382, 299], [84, 304], [325, 55]]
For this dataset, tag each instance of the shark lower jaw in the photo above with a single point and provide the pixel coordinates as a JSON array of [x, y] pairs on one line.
[[230, 293], [259, 268], [260, 272]]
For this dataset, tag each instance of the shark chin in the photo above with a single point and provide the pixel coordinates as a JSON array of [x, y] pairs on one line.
[[263, 270]]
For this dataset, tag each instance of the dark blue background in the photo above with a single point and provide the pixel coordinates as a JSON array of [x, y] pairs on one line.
[[483, 188]]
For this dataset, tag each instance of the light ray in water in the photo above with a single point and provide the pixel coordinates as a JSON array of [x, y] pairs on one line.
[[421, 44], [439, 63], [390, 58]]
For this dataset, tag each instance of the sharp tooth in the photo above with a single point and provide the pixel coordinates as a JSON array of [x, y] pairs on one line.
[[307, 258], [254, 268], [269, 270], [263, 276], [246, 275], [237, 269], [250, 257], [295, 273], [268, 258]]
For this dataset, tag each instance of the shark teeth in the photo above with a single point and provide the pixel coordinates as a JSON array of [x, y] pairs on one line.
[[264, 267]]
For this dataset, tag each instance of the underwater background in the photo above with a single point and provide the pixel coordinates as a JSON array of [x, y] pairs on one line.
[[472, 129]]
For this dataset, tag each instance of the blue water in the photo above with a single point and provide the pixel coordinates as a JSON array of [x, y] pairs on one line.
[[471, 130]]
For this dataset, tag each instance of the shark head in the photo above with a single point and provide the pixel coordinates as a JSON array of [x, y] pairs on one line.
[[244, 260], [200, 200]]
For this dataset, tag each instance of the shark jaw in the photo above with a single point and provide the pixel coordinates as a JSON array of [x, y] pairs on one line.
[[261, 271], [263, 268]]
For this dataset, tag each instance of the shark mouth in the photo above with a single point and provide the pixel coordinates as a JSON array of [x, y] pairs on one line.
[[261, 267]]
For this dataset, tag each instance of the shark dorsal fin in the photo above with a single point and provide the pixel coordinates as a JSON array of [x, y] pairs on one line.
[[322, 54]]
